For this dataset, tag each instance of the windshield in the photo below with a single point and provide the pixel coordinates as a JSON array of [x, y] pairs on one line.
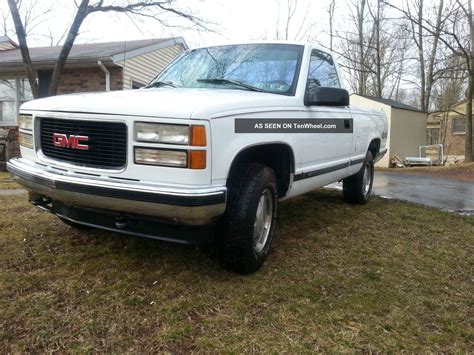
[[270, 68]]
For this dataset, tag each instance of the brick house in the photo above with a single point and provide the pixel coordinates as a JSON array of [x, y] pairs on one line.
[[449, 128], [90, 67]]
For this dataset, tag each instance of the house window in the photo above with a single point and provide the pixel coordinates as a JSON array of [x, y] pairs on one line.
[[459, 125], [11, 97], [432, 136]]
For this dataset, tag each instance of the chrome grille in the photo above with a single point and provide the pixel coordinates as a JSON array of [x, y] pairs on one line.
[[107, 142]]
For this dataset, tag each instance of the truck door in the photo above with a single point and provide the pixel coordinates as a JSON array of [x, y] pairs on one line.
[[326, 155]]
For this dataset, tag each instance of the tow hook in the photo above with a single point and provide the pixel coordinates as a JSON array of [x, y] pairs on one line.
[[38, 200], [121, 222]]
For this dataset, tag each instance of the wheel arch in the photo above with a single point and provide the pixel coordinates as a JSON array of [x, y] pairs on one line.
[[277, 155], [374, 147]]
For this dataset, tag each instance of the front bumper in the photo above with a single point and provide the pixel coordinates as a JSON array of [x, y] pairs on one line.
[[190, 206]]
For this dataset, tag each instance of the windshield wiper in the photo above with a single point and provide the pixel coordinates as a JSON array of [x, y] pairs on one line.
[[157, 84], [228, 81]]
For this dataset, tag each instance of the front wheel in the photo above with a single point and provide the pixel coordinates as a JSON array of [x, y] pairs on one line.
[[249, 223], [357, 188]]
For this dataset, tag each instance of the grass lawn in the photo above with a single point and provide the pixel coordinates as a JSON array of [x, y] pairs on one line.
[[6, 182], [387, 276]]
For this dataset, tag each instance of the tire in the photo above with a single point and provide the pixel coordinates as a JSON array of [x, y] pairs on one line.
[[249, 223], [357, 188], [74, 224]]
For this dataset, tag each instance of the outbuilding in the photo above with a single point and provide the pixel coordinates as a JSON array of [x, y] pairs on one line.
[[406, 126]]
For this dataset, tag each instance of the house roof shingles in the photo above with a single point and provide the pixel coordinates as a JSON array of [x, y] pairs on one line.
[[79, 52], [392, 103]]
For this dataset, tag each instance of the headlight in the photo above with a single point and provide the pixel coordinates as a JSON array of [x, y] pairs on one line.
[[162, 133], [25, 122], [163, 157]]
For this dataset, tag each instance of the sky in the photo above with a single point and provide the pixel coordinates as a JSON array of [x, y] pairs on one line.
[[229, 21], [234, 21]]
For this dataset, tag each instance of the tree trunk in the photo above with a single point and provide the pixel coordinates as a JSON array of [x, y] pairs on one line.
[[430, 77], [81, 14], [378, 59], [332, 6], [360, 22], [421, 56], [25, 53], [468, 156]]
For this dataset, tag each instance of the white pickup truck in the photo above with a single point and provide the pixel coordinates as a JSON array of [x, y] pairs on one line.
[[216, 139]]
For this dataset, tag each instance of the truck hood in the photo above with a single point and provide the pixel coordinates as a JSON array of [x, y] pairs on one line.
[[163, 102]]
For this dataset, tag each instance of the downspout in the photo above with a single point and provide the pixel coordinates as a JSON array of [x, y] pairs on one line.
[[107, 75]]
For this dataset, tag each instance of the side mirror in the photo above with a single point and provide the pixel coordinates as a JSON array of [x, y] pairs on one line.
[[325, 96]]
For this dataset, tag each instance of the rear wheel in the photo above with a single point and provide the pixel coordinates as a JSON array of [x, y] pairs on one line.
[[357, 188], [249, 223]]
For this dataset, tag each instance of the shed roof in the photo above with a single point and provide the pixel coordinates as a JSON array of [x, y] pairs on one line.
[[392, 103], [84, 52]]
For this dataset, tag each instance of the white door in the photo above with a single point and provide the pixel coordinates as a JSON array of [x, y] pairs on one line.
[[326, 152]]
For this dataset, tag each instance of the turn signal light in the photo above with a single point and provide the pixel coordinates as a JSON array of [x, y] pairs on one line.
[[197, 159], [198, 136]]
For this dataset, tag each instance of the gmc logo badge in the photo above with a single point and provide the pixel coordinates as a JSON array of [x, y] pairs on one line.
[[72, 142]]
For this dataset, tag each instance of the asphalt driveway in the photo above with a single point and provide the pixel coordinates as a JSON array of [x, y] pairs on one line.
[[446, 194]]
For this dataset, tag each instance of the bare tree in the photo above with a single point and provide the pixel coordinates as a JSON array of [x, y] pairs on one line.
[[290, 32], [292, 5], [32, 15], [456, 32], [353, 47], [4, 22], [402, 54], [372, 50], [469, 154], [361, 53], [331, 11], [377, 18], [147, 8], [427, 46], [451, 86], [448, 91], [25, 53]]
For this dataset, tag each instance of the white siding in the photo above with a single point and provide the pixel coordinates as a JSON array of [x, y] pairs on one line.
[[408, 132], [406, 129], [6, 46], [143, 68]]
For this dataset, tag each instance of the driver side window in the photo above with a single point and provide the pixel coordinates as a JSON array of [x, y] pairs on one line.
[[322, 71]]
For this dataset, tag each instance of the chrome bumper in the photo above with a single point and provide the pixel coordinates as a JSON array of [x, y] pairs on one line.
[[184, 206]]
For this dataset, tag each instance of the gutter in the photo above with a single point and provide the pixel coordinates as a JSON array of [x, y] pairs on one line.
[[107, 75]]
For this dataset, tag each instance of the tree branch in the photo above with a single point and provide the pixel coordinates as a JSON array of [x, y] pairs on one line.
[[25, 53]]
